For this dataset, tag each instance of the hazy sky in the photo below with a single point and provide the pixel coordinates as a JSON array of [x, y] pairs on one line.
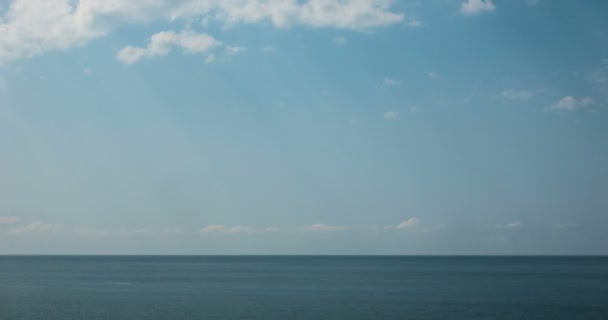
[[304, 127]]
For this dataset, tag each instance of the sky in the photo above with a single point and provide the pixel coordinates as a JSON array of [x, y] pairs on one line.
[[303, 127]]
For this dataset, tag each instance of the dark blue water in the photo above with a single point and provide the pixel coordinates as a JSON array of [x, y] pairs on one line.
[[307, 287]]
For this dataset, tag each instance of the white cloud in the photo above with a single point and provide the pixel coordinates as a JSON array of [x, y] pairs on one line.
[[221, 229], [409, 223], [517, 94], [269, 49], [472, 7], [391, 115], [36, 227], [340, 41], [231, 51], [8, 220], [87, 70], [319, 227], [160, 44], [512, 225], [391, 82], [33, 27], [570, 103]]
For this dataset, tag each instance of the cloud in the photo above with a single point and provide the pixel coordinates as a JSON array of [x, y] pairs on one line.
[[433, 75], [391, 115], [391, 82], [91, 232], [533, 2], [210, 58], [340, 41], [36, 227], [161, 43], [473, 7], [319, 227], [32, 27], [564, 226], [126, 232], [221, 229], [412, 22], [570, 103], [409, 223], [517, 94], [8, 220], [231, 51], [269, 49], [512, 225]]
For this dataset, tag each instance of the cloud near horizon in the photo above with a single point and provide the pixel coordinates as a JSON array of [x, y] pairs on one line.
[[405, 224]]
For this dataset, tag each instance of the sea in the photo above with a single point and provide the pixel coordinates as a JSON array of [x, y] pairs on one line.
[[302, 287]]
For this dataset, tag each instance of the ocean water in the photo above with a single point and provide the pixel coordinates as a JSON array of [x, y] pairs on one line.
[[302, 287]]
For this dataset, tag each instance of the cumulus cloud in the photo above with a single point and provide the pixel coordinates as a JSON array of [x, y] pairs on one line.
[[570, 103], [391, 115], [517, 94], [8, 220], [472, 7], [161, 43], [33, 27], [36, 227]]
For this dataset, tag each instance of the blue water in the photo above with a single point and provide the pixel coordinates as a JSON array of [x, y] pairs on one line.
[[303, 287]]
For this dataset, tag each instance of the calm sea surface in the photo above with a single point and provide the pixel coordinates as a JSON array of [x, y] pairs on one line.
[[303, 287]]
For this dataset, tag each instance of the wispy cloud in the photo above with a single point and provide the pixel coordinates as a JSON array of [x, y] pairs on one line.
[[473, 7], [234, 50], [391, 82], [269, 49], [511, 225], [517, 94], [36, 227], [221, 229], [8, 220], [340, 41], [570, 103], [320, 227], [391, 115]]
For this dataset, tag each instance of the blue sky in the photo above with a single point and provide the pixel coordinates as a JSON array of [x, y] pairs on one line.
[[304, 127]]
